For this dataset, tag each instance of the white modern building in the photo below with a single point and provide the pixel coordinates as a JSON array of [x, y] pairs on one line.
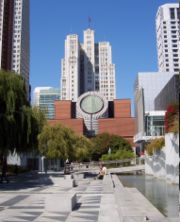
[[147, 86], [87, 67], [14, 37], [44, 97], [167, 33]]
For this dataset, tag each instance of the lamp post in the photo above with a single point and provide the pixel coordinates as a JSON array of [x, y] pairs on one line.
[[42, 162]]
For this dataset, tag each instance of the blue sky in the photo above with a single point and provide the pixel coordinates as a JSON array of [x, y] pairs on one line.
[[129, 25]]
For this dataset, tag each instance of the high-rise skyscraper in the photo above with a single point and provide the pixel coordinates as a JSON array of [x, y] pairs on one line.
[[167, 32], [87, 67], [14, 37], [44, 98]]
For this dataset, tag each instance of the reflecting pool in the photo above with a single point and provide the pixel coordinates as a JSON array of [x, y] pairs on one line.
[[162, 195]]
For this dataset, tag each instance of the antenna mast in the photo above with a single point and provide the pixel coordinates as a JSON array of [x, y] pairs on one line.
[[89, 22]]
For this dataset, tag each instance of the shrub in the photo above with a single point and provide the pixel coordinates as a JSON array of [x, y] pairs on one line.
[[154, 145], [172, 118], [118, 155]]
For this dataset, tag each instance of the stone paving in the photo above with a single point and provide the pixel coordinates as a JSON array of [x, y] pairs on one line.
[[27, 202], [24, 198]]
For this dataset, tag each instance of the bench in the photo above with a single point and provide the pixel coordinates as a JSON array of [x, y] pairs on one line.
[[60, 202], [65, 181]]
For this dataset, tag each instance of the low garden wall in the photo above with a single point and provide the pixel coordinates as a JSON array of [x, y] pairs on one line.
[[165, 162]]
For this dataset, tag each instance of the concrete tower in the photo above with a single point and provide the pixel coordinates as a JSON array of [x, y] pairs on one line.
[[14, 37], [167, 32]]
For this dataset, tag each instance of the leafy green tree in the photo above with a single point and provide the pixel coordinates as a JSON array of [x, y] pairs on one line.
[[104, 141], [83, 146], [12, 112], [33, 124], [18, 122], [57, 142]]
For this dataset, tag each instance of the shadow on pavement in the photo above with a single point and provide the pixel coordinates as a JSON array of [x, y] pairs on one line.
[[28, 180]]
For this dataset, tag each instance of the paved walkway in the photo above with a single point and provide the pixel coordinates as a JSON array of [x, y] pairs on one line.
[[23, 200]]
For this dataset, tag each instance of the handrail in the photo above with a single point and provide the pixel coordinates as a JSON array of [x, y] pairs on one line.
[[132, 161]]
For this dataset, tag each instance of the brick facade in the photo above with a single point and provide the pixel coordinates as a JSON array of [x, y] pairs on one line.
[[63, 109], [124, 127], [77, 125], [122, 124], [122, 108]]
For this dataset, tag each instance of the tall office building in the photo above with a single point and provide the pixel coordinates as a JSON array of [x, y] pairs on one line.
[[14, 37], [87, 67], [70, 69], [167, 32], [44, 98]]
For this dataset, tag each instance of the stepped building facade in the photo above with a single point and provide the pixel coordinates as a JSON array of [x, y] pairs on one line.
[[88, 101], [87, 67]]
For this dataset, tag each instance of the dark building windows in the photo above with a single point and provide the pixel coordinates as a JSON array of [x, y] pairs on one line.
[[172, 13]]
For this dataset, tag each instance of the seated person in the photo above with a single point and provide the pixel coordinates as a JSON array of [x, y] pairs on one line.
[[102, 172]]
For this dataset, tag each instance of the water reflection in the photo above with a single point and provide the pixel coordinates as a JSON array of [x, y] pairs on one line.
[[162, 195]]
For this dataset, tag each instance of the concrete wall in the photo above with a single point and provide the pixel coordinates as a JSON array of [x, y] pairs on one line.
[[172, 157], [165, 163]]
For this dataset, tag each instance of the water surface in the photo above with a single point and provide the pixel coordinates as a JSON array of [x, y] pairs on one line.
[[162, 195]]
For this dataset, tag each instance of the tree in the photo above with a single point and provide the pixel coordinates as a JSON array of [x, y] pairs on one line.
[[82, 148], [13, 103], [19, 124], [104, 141], [57, 142], [12, 112]]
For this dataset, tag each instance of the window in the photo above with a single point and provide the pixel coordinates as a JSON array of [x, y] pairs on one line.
[[172, 14], [167, 70], [176, 70], [178, 13], [174, 50], [175, 60]]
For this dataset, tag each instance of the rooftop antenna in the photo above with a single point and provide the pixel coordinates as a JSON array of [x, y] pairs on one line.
[[89, 22]]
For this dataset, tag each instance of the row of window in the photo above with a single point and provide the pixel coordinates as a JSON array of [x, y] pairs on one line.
[[175, 70], [173, 36], [174, 13]]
